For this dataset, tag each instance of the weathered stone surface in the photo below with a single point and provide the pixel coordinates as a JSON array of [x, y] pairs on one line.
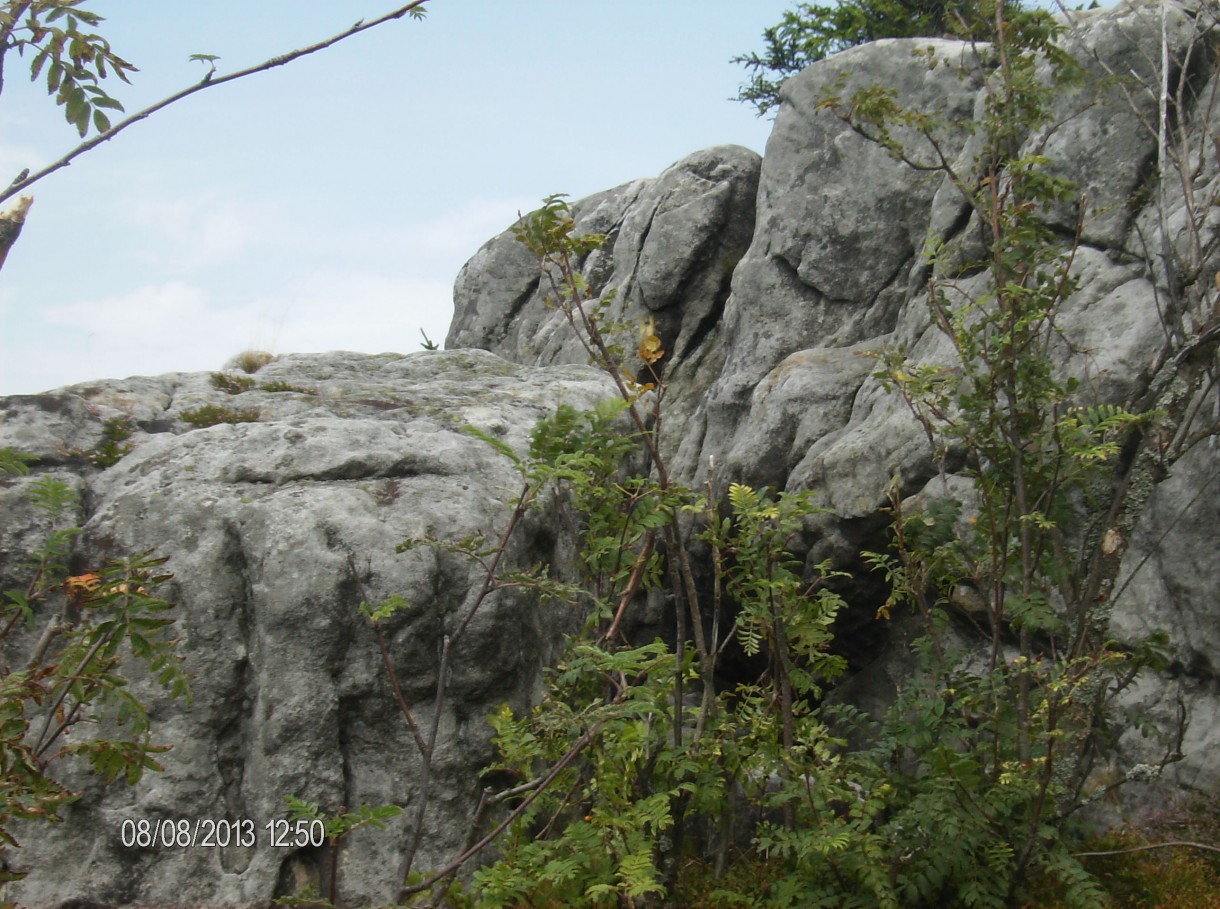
[[1168, 583], [276, 530], [672, 245], [840, 225], [836, 270], [773, 286]]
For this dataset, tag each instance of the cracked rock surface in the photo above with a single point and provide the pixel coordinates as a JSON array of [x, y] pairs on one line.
[[778, 389], [773, 282], [276, 529]]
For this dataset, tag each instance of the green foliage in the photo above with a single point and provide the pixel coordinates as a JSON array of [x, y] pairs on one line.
[[812, 31], [1011, 729], [208, 60], [73, 59], [303, 816], [277, 385], [643, 750], [231, 384], [548, 233], [340, 825], [213, 415], [114, 444], [642, 760], [608, 810], [15, 463], [959, 794], [71, 698]]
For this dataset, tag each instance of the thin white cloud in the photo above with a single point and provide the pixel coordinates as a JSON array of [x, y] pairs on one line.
[[187, 234], [370, 290], [142, 315], [337, 310], [463, 230], [152, 329]]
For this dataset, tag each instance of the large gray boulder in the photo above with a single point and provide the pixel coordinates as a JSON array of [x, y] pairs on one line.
[[1168, 583], [774, 284], [275, 531], [673, 243], [836, 271]]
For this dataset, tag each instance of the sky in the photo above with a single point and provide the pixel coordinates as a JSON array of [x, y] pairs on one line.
[[330, 203]]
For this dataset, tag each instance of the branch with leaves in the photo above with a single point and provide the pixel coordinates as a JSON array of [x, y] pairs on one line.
[[74, 62], [72, 699]]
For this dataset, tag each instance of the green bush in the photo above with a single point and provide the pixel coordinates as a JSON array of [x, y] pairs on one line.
[[213, 415], [813, 31], [79, 632], [645, 772], [114, 444], [231, 384], [641, 759], [280, 386]]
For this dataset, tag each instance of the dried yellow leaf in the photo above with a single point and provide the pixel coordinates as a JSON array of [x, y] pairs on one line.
[[651, 349]]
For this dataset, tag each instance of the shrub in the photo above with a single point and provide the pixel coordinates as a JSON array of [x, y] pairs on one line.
[[231, 384], [811, 32], [640, 753], [279, 386], [113, 446], [81, 631], [212, 415]]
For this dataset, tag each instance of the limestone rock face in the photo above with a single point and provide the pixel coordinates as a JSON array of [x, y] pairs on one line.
[[774, 283], [1168, 583], [836, 270], [673, 243], [277, 529]]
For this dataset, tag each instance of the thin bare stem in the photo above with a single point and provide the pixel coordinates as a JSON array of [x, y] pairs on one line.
[[1175, 844], [577, 747], [208, 81]]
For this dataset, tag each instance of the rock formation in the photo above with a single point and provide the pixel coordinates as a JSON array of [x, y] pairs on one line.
[[770, 281], [265, 522], [780, 389]]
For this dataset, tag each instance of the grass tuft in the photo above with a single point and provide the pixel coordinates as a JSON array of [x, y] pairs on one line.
[[250, 361]]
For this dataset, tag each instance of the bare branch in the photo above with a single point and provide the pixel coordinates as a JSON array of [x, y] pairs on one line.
[[11, 223], [209, 81], [1183, 844], [540, 787]]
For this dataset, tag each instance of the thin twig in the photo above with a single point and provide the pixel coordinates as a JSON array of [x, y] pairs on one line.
[[543, 785], [208, 82], [1186, 844]]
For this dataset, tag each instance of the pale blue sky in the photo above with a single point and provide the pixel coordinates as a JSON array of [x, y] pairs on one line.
[[329, 204]]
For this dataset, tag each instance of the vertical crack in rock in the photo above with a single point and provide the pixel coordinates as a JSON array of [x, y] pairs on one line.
[[233, 737]]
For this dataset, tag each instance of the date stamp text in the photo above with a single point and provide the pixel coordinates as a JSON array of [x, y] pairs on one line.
[[206, 832]]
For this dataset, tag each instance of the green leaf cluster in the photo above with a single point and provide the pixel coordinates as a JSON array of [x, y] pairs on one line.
[[72, 698], [114, 445], [813, 31], [231, 383], [64, 51], [206, 415], [345, 822], [644, 758], [659, 758]]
